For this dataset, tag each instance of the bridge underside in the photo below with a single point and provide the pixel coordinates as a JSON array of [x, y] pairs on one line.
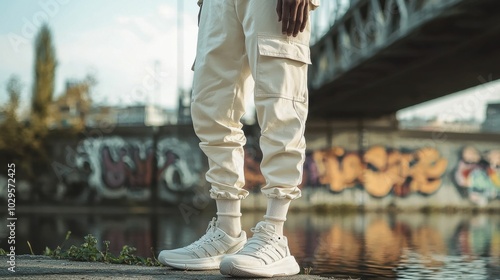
[[456, 50]]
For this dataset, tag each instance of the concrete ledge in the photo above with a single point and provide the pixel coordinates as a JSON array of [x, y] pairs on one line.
[[41, 267]]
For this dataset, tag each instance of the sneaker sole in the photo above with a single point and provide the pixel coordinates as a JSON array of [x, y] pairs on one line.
[[284, 267], [209, 263], [194, 264]]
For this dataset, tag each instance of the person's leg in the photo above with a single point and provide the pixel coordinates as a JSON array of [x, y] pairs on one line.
[[276, 212], [229, 215], [221, 70], [279, 68], [218, 105]]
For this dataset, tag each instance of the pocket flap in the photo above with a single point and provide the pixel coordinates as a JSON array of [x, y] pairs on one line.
[[286, 48]]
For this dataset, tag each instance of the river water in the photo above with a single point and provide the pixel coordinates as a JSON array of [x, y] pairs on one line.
[[366, 246]]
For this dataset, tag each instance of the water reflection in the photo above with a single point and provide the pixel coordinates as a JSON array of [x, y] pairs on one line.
[[408, 246], [370, 246]]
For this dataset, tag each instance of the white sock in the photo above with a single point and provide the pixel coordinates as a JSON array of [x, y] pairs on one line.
[[276, 213], [229, 216]]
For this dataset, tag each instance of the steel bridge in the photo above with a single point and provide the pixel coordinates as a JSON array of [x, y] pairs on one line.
[[374, 57]]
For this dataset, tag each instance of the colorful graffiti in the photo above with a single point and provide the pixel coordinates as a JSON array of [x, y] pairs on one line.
[[115, 168], [121, 168], [478, 175], [379, 170]]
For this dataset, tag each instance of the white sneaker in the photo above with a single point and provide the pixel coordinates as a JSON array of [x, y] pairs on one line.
[[266, 254], [205, 253]]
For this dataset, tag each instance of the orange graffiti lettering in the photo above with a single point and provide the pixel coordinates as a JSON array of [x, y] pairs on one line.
[[381, 170], [338, 169]]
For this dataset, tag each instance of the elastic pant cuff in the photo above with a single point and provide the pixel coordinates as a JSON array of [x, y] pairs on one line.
[[282, 193], [238, 194]]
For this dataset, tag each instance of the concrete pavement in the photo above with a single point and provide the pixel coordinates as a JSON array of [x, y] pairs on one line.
[[41, 267]]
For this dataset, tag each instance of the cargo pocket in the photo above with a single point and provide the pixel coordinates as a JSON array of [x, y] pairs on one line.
[[282, 68]]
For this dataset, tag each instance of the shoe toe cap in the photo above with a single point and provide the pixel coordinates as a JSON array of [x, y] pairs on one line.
[[172, 255]]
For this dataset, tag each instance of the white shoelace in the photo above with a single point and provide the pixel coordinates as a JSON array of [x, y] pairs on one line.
[[259, 241], [206, 238]]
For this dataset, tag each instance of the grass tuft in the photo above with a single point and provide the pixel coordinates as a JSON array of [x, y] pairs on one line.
[[89, 252]]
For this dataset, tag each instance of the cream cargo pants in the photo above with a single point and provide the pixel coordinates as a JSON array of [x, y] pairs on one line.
[[239, 40]]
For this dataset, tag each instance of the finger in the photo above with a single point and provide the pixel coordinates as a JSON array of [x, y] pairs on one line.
[[285, 16], [279, 9], [305, 18], [298, 20], [292, 18]]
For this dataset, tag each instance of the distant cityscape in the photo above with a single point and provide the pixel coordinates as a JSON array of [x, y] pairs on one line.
[[75, 109], [138, 115], [490, 124]]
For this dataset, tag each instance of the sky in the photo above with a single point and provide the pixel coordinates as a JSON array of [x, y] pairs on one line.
[[123, 42], [120, 42]]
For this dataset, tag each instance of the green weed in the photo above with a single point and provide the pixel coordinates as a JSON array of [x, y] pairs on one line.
[[307, 270], [88, 251]]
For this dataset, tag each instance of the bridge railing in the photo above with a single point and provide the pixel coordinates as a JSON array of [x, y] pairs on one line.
[[346, 32], [327, 15]]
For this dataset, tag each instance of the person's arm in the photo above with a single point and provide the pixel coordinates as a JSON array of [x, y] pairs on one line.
[[294, 15]]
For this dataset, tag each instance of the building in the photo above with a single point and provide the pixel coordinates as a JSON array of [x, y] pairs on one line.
[[148, 115], [138, 115], [101, 116], [71, 108], [464, 126], [492, 121]]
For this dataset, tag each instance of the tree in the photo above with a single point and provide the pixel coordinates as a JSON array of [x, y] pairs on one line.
[[10, 126], [69, 110], [45, 67], [14, 88], [14, 139], [43, 90]]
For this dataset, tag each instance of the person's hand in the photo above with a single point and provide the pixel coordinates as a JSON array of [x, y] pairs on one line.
[[293, 15]]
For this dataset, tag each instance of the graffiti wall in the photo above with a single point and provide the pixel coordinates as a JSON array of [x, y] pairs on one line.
[[477, 175], [121, 168], [380, 171], [126, 166], [467, 173], [117, 167]]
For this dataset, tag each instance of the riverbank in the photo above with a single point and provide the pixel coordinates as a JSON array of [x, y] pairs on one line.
[[41, 267], [322, 208]]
